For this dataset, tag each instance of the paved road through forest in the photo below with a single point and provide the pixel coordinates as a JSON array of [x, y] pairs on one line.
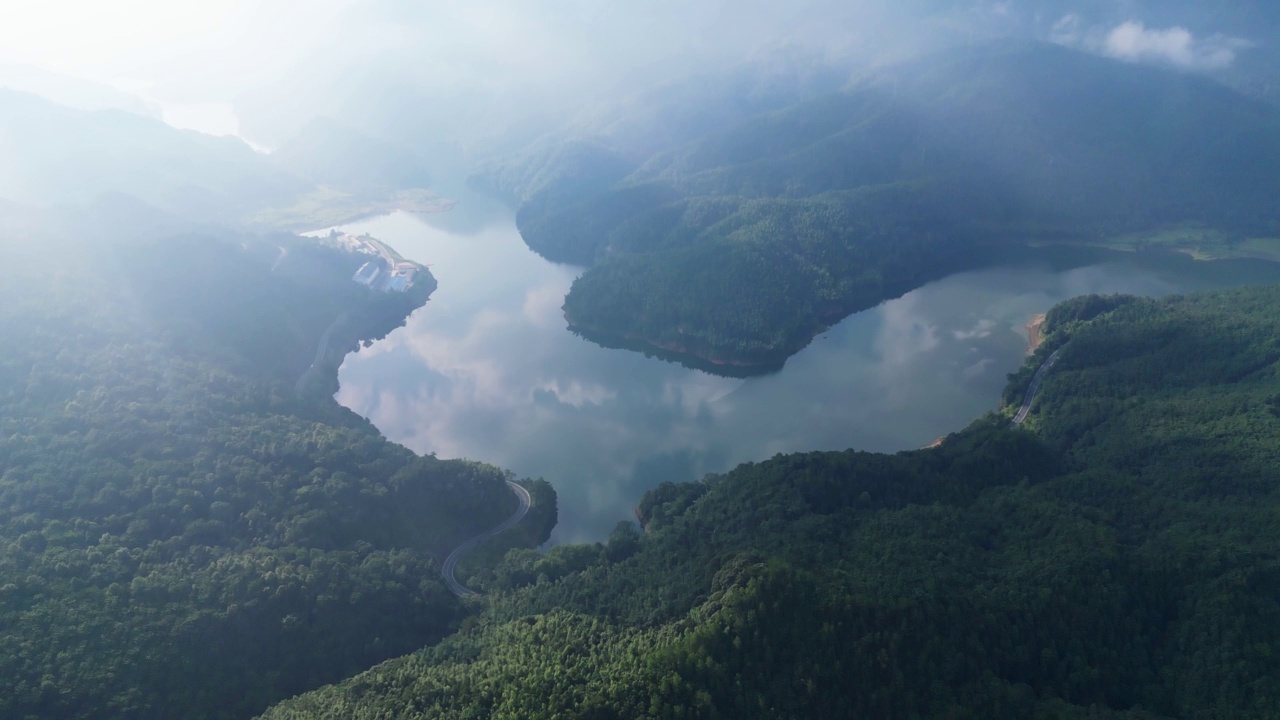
[[452, 561], [1032, 388]]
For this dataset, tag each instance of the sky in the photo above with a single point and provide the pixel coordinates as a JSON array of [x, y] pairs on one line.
[[190, 57], [279, 62], [148, 41]]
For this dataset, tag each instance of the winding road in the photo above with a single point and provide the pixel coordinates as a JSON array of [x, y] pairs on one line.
[[1032, 388], [451, 562]]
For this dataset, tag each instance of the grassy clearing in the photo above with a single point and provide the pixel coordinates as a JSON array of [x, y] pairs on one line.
[[327, 207], [323, 207], [1198, 242]]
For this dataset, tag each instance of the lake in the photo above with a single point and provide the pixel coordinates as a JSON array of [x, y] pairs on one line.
[[488, 371]]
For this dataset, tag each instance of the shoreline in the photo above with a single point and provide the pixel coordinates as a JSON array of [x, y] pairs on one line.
[[721, 367], [1035, 332], [344, 210], [383, 312]]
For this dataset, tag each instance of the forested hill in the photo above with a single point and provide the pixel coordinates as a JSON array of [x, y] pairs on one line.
[[59, 155], [181, 535], [1116, 558], [738, 244], [56, 156]]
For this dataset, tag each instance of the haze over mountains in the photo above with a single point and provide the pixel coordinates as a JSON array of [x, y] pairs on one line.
[[756, 224], [457, 75], [55, 155], [191, 526], [542, 60]]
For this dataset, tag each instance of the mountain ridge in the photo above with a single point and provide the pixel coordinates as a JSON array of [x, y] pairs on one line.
[[1002, 144]]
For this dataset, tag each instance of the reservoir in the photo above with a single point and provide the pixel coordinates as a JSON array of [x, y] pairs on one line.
[[488, 371]]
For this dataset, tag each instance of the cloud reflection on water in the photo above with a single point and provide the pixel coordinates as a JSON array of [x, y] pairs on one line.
[[488, 371]]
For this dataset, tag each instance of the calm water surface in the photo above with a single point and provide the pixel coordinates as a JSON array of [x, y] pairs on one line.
[[487, 371]]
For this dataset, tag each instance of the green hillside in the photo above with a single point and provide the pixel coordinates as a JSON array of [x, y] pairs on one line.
[[738, 245], [180, 534], [1116, 560]]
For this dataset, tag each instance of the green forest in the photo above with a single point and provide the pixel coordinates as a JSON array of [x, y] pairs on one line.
[[191, 526], [742, 233], [1113, 558], [181, 534]]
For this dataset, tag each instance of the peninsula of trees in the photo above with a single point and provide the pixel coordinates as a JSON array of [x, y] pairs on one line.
[[737, 216]]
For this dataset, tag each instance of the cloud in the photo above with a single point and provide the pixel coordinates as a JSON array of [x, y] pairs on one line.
[[982, 329], [1135, 42], [976, 370], [1067, 30]]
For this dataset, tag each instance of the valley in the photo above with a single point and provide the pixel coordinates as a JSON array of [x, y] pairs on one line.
[[488, 371], [914, 361]]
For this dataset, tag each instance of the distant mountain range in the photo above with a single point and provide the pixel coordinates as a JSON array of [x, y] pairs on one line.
[[58, 155], [737, 240], [72, 91]]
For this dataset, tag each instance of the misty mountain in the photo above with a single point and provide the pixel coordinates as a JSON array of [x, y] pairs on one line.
[[1231, 42], [825, 206], [72, 91], [58, 155], [192, 525], [55, 155], [608, 141], [424, 85], [327, 152], [1065, 136]]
